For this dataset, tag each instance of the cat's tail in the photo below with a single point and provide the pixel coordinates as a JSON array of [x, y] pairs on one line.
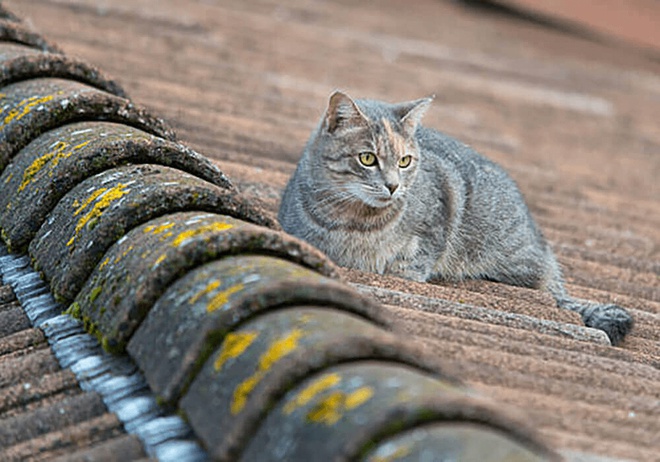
[[613, 319]]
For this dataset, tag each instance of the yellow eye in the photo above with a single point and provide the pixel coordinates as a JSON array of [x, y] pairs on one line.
[[367, 159], [405, 161]]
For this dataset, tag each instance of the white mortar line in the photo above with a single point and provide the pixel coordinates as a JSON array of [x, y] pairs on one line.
[[116, 379]]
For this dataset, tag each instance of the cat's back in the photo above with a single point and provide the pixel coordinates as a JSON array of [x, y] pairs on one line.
[[440, 147], [485, 193], [463, 166]]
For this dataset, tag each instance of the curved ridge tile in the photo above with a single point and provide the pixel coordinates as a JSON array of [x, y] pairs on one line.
[[22, 62], [195, 314], [31, 107], [101, 209], [262, 359], [13, 30], [53, 163], [339, 413], [462, 440], [141, 265], [268, 356]]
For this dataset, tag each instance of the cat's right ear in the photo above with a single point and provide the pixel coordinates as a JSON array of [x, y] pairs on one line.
[[342, 112]]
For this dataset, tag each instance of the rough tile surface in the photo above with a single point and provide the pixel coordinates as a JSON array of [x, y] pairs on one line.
[[574, 120]]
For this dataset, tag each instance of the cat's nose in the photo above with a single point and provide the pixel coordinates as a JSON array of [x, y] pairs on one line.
[[392, 187]]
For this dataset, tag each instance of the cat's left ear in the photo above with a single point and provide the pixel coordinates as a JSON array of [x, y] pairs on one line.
[[411, 113]]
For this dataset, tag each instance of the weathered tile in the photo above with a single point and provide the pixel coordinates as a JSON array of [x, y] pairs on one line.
[[13, 320], [195, 314], [64, 437], [34, 106], [341, 412], [13, 30], [19, 366], [266, 356], [121, 448], [36, 390], [137, 269], [22, 62], [52, 164], [453, 440], [68, 411], [21, 340], [6, 294], [101, 209]]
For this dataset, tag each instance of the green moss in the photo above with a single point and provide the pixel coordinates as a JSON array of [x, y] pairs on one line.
[[74, 310], [94, 294], [90, 326], [111, 345], [91, 224]]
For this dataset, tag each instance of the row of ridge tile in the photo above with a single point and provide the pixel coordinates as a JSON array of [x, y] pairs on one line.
[[240, 327]]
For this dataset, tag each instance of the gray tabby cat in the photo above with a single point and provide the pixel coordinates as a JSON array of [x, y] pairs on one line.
[[378, 192]]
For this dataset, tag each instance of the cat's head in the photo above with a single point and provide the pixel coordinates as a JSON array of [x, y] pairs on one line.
[[365, 152]]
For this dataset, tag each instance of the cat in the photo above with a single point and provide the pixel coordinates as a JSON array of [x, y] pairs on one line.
[[377, 191]]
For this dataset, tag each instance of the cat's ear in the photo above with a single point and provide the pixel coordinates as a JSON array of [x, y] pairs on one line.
[[411, 113], [342, 112]]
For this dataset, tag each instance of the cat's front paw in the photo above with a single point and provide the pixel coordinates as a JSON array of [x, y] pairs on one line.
[[403, 269], [613, 319]]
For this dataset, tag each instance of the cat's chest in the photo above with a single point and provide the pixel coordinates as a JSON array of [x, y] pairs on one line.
[[374, 251]]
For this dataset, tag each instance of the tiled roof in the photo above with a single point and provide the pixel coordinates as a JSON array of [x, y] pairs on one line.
[[573, 120]]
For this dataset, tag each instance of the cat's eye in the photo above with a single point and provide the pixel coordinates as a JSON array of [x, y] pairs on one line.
[[368, 159], [405, 161]]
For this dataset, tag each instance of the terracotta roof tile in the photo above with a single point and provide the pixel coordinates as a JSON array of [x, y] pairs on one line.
[[573, 120]]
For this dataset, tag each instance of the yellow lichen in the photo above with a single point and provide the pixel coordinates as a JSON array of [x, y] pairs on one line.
[[210, 287], [153, 229], [104, 262], [311, 391], [233, 346], [280, 348], [242, 392], [160, 260], [328, 410], [358, 397], [117, 258], [24, 107], [222, 297], [190, 233], [331, 408], [92, 197], [34, 168], [60, 153], [105, 198]]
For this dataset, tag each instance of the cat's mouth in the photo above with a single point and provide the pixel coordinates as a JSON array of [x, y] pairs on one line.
[[379, 202]]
